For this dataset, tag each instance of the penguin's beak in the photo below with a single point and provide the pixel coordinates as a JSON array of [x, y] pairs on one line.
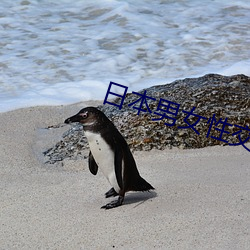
[[74, 118]]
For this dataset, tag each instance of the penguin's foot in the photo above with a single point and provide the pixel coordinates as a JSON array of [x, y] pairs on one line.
[[111, 193], [113, 204]]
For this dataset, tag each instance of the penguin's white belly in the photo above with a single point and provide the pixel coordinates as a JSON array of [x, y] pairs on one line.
[[104, 157]]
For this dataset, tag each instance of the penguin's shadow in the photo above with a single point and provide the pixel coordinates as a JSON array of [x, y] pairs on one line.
[[137, 198]]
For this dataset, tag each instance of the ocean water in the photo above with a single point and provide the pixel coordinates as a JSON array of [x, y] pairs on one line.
[[61, 52]]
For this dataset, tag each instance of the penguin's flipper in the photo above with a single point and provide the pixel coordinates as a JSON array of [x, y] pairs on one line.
[[93, 167], [111, 193]]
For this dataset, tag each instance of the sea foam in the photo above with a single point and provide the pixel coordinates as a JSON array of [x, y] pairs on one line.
[[62, 52]]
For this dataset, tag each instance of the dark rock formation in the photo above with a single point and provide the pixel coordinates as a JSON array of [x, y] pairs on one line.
[[225, 97]]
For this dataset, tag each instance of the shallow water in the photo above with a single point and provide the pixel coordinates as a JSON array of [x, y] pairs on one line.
[[62, 52]]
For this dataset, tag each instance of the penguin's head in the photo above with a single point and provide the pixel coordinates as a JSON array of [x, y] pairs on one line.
[[88, 117]]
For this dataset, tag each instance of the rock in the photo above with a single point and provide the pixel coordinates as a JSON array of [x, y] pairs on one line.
[[222, 96]]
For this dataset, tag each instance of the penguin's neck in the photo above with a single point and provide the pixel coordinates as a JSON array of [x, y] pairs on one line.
[[95, 128], [91, 135]]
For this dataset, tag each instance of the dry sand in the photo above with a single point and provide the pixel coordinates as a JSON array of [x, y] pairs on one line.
[[201, 201]]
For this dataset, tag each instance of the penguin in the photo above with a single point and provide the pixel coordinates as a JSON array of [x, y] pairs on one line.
[[110, 152]]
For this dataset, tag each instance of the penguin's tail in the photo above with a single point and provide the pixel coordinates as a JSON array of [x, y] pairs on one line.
[[141, 185]]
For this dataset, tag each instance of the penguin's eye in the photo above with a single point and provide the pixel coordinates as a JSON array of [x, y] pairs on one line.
[[84, 115]]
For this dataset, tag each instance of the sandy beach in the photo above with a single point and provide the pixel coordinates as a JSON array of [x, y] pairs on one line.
[[201, 198]]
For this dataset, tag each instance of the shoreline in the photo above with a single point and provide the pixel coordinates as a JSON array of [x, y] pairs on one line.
[[201, 198]]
